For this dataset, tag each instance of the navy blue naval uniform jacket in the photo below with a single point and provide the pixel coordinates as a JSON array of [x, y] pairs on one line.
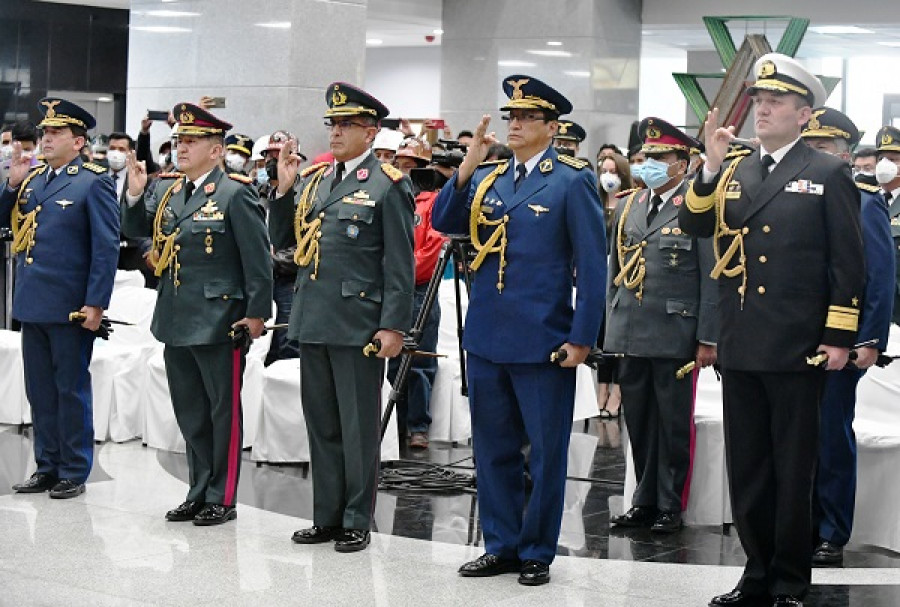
[[533, 315], [878, 246], [76, 246]]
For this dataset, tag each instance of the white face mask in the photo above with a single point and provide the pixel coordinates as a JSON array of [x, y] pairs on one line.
[[235, 162], [610, 182], [116, 160], [6, 152], [885, 171]]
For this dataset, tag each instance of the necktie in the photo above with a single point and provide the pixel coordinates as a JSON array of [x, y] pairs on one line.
[[338, 175], [188, 190], [654, 209], [767, 161], [51, 176], [520, 175]]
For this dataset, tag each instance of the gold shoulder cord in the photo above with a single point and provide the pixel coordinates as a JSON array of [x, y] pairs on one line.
[[477, 218], [24, 226], [722, 230], [632, 270], [307, 232], [164, 253]]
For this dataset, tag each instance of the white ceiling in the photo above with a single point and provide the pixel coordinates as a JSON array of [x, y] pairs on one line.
[[393, 22], [408, 22]]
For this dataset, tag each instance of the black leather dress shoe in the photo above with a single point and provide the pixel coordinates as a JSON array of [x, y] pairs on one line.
[[317, 535], [638, 516], [352, 540], [488, 565], [215, 514], [737, 598], [185, 512], [784, 600], [667, 522], [38, 483], [66, 489], [534, 573], [828, 554]]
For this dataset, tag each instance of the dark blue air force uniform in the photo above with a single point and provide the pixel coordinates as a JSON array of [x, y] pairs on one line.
[[553, 228], [67, 261]]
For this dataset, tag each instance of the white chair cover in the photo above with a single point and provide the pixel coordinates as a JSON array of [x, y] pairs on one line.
[[281, 432], [14, 407]]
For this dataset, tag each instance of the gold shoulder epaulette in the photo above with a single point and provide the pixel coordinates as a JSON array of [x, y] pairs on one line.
[[172, 175], [625, 193], [737, 153], [240, 178], [94, 168], [488, 163], [393, 173], [868, 187], [312, 169], [575, 163]]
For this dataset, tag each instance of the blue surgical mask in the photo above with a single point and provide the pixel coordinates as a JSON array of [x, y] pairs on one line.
[[635, 171], [655, 173], [262, 177]]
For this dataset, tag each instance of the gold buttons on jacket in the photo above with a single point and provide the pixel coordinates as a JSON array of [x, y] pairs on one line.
[[362, 293], [761, 290], [763, 259], [767, 229], [29, 260], [225, 297]]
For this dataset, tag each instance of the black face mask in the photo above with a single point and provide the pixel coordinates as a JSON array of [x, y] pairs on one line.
[[272, 169]]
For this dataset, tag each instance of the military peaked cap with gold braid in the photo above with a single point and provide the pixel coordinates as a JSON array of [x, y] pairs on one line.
[[194, 120], [782, 74], [59, 113], [347, 100], [831, 124], [660, 137], [570, 131], [888, 139], [242, 144], [527, 93]]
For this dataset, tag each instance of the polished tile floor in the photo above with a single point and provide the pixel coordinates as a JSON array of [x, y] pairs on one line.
[[113, 547]]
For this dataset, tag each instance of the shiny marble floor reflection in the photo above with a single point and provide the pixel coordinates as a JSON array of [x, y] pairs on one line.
[[113, 547]]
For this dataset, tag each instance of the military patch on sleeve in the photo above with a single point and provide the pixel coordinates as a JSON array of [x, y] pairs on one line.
[[312, 169], [575, 163], [625, 193], [94, 168], [240, 178], [867, 187], [393, 173]]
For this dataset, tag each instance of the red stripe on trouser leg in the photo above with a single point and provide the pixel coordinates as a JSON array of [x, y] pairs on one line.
[[234, 448], [686, 492]]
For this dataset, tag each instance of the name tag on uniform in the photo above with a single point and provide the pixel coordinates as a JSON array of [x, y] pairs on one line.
[[804, 186]]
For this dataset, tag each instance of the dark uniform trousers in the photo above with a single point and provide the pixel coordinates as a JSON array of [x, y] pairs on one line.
[[58, 386], [208, 412], [835, 489], [659, 412], [342, 407], [804, 280], [511, 403], [771, 444]]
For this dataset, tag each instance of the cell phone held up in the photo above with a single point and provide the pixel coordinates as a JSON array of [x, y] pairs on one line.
[[157, 115]]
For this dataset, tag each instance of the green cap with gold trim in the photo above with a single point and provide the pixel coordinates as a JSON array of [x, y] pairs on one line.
[[831, 124], [194, 120], [887, 139], [347, 100]]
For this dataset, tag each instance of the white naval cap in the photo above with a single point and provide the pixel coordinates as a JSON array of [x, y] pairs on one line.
[[782, 74]]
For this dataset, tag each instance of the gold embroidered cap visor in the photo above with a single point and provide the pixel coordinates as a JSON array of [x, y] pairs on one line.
[[888, 139], [347, 100], [58, 112], [829, 123], [660, 137], [570, 131], [527, 93], [197, 122], [782, 74]]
